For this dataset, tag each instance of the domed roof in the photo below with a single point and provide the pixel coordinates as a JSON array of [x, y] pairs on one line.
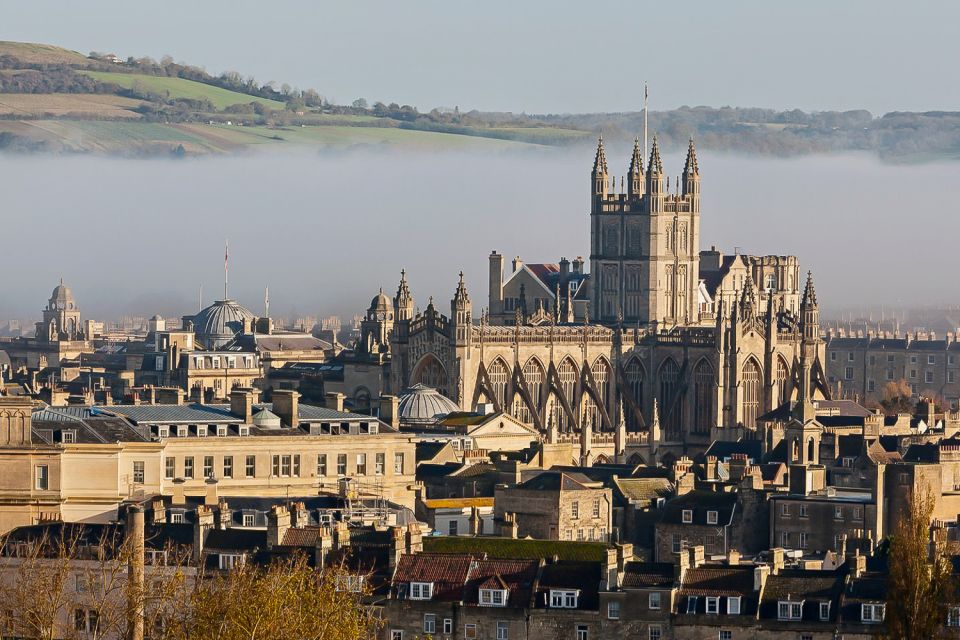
[[421, 404], [266, 419], [220, 322], [62, 297], [380, 302]]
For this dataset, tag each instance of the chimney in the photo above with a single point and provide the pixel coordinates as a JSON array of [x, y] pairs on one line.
[[278, 521], [158, 511], [578, 264], [286, 406], [517, 264], [341, 536], [390, 410], [681, 565], [733, 557], [201, 526], [611, 576], [135, 570], [166, 395], [334, 400], [496, 282], [211, 499], [241, 404], [323, 547], [858, 564], [397, 546], [178, 496], [776, 559], [564, 270], [760, 574], [299, 516], [223, 515], [697, 556], [476, 524]]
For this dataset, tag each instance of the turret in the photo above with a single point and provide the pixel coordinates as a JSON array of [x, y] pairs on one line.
[[599, 177], [810, 312], [748, 300], [655, 178], [635, 177], [403, 302], [691, 173], [461, 314]]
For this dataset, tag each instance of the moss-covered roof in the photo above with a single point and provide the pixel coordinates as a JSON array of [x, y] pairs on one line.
[[517, 549]]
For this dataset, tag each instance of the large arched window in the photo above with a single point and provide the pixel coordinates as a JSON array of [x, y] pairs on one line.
[[533, 376], [751, 386], [499, 379], [704, 385], [783, 381], [601, 376], [567, 372], [634, 376], [431, 373], [670, 405]]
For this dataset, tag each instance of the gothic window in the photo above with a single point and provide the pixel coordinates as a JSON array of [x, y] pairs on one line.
[[671, 292], [601, 376], [669, 237], [633, 373], [611, 240], [611, 287], [682, 238], [783, 377], [703, 397], [567, 372], [432, 374], [770, 282], [533, 376], [751, 385], [634, 241], [499, 378], [670, 405]]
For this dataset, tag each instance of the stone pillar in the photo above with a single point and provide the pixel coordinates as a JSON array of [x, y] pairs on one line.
[[135, 570]]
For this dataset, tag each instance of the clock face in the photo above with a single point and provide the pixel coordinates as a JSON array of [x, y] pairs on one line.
[[381, 315]]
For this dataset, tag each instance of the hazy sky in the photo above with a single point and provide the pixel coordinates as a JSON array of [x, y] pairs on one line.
[[539, 55], [324, 232]]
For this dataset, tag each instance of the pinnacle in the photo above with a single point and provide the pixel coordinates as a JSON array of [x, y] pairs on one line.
[[655, 164], [809, 293], [600, 162], [636, 162], [691, 165]]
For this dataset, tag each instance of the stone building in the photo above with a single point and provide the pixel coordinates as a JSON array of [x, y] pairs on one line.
[[705, 342], [60, 336]]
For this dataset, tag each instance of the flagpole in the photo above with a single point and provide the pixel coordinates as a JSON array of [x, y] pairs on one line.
[[226, 267], [645, 109]]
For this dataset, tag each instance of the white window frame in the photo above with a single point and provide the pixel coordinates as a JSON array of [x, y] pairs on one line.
[[429, 623], [692, 604], [41, 477], [687, 516], [713, 605], [824, 611], [421, 590], [494, 597], [470, 631], [869, 613], [613, 610], [789, 610], [229, 561], [733, 605], [564, 598], [503, 630], [447, 626], [654, 632], [654, 600], [712, 517], [583, 632]]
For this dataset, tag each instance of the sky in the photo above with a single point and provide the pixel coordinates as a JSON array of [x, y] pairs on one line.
[[540, 56], [325, 231]]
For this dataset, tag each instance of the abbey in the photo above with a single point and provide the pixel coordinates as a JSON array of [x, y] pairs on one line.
[[659, 349]]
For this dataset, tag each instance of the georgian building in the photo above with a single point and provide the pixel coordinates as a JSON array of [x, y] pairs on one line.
[[686, 345], [60, 336]]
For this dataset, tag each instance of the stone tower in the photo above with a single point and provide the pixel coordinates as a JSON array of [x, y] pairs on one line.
[[61, 318], [645, 243], [810, 342], [461, 315]]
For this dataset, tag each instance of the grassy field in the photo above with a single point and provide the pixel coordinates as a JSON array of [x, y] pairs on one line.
[[64, 104], [180, 88], [40, 53]]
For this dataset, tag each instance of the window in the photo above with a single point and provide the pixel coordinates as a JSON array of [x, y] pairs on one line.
[[68, 437], [785, 509], [653, 601], [787, 610], [396, 634], [913, 374], [176, 517], [201, 431], [503, 630], [687, 516], [692, 604], [928, 377], [286, 465], [847, 461], [676, 543], [421, 590], [596, 507], [251, 465], [398, 463], [848, 373], [890, 359], [713, 604], [953, 617], [803, 510], [231, 560], [784, 538], [733, 605], [931, 359], [470, 631], [42, 477], [889, 374], [951, 377], [493, 597], [724, 634], [227, 466], [711, 517], [341, 464], [296, 465], [163, 431], [582, 632], [575, 509], [448, 625], [188, 467], [654, 632], [138, 472], [872, 613], [824, 610], [561, 599], [249, 520], [803, 540], [871, 385], [361, 464], [207, 466], [321, 464], [613, 610], [856, 513], [913, 359], [833, 356], [170, 468], [380, 463], [429, 623]]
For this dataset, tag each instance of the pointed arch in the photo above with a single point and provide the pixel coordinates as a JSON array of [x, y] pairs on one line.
[[784, 390], [431, 372], [751, 392], [704, 396], [668, 376], [634, 377], [562, 392], [499, 375], [597, 400], [535, 378]]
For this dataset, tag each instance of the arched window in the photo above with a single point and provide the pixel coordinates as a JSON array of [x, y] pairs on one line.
[[431, 373], [783, 378], [499, 379], [601, 376], [752, 379], [361, 401], [634, 377], [811, 452], [533, 376], [704, 385], [670, 404], [567, 372]]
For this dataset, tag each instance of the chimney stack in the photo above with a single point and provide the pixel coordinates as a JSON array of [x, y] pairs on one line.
[[390, 410], [202, 525], [334, 400], [241, 403], [286, 406], [278, 521]]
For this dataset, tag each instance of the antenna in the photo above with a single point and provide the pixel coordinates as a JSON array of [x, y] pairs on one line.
[[646, 95], [226, 264], [266, 302]]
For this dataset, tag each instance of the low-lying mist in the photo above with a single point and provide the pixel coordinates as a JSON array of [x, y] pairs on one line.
[[325, 231]]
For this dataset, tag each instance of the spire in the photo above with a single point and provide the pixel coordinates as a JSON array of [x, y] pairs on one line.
[[636, 170], [655, 178], [691, 167], [599, 174], [809, 294], [461, 296], [600, 161], [810, 312], [747, 299], [691, 176], [655, 165], [403, 302]]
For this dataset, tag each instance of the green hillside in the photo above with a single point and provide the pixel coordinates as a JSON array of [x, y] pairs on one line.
[[40, 53], [181, 88]]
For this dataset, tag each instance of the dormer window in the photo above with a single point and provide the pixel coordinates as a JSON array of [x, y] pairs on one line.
[[687, 516], [494, 597], [421, 590], [872, 613], [713, 604], [692, 604], [244, 431], [564, 599], [711, 517], [848, 461], [787, 610], [221, 431], [68, 437], [163, 431], [733, 605], [824, 611], [182, 431]]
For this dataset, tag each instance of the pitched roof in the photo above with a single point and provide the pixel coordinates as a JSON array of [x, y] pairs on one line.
[[447, 572], [700, 503], [557, 481], [644, 489], [514, 548], [648, 575], [517, 576], [811, 587]]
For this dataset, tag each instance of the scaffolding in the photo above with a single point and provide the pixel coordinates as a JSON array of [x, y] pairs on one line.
[[364, 501]]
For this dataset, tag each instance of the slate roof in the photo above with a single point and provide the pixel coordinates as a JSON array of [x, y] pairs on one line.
[[723, 450], [811, 587], [648, 575], [557, 481], [713, 278], [718, 581], [513, 548], [644, 489], [700, 502], [564, 574], [518, 576]]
